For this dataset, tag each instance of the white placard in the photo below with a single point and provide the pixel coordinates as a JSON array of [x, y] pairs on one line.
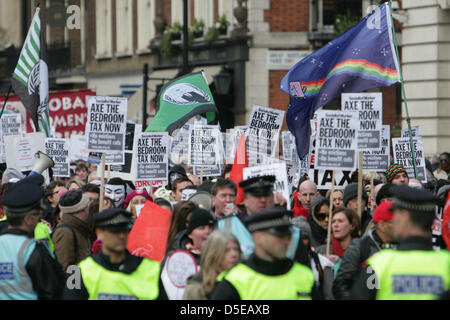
[[369, 106], [179, 145], [403, 156], [106, 125], [11, 124], [262, 133], [152, 156], [279, 170], [204, 149], [414, 132], [289, 147], [322, 178], [58, 150], [336, 141], [78, 149], [379, 160], [20, 150]]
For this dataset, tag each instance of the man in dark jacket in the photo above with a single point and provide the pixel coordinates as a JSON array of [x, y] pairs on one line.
[[354, 259], [28, 269]]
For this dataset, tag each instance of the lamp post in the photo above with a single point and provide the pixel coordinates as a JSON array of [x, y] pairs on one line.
[[185, 38], [222, 82]]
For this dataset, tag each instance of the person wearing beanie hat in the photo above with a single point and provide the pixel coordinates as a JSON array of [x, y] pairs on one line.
[[351, 201], [134, 198], [114, 273], [28, 269], [381, 236], [71, 237], [396, 174]]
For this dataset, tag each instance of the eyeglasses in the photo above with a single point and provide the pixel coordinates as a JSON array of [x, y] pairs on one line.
[[321, 216]]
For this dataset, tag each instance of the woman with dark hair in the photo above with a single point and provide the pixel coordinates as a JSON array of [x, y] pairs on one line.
[[180, 220], [50, 202], [318, 220]]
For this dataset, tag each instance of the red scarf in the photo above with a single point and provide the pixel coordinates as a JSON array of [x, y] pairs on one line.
[[336, 247], [298, 208]]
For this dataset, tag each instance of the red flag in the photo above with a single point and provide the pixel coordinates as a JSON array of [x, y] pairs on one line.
[[148, 238], [237, 171], [446, 222]]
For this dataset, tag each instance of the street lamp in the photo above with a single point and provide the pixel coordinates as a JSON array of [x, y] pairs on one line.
[[222, 81]]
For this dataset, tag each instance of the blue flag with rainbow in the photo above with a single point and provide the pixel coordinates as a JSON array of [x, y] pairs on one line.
[[362, 58]]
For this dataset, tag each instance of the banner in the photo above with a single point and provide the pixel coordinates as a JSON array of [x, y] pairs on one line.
[[403, 156], [152, 156], [379, 160], [10, 124], [336, 141], [369, 106], [106, 126], [58, 150], [262, 133], [204, 146], [279, 170], [323, 178]]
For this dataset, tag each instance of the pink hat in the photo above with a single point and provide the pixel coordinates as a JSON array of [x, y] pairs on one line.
[[61, 193], [132, 194]]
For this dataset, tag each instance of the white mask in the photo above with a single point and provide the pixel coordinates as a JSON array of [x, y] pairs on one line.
[[117, 193]]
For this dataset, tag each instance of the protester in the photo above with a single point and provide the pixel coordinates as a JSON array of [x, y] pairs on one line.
[[267, 274], [51, 200], [71, 236], [319, 212], [178, 186], [163, 203], [351, 202], [220, 252], [306, 194], [92, 191], [114, 273], [337, 197], [134, 198], [223, 198], [354, 259], [400, 274], [258, 195], [116, 189], [415, 183], [396, 174], [192, 239], [443, 170], [74, 183], [180, 219], [82, 172], [34, 272], [345, 226]]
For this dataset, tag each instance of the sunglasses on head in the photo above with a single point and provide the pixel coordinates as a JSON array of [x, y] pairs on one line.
[[321, 216]]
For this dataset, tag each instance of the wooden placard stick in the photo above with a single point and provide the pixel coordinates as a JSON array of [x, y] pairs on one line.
[[330, 213]]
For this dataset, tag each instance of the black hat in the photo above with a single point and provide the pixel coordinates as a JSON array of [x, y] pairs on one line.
[[274, 220], [113, 219], [199, 217], [258, 186], [408, 198], [24, 195], [176, 172], [384, 192], [351, 192], [73, 201]]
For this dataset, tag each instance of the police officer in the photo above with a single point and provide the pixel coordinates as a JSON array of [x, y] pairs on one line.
[[267, 274], [258, 195], [414, 271], [114, 273], [28, 268]]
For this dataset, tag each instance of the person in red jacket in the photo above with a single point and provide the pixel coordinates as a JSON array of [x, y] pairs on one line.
[[303, 198]]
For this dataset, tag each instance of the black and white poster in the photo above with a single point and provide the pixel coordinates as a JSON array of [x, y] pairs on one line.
[[152, 156], [379, 160], [58, 150], [403, 156], [204, 149]]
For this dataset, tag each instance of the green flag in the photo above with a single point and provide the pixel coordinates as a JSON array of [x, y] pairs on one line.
[[30, 77], [180, 100]]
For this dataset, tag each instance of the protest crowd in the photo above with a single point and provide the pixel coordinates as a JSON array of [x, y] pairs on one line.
[[183, 210]]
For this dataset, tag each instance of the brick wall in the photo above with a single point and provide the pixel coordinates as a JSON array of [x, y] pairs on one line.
[[278, 99], [288, 15]]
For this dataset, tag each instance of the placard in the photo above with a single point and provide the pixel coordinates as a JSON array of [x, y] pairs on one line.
[[336, 141], [204, 146], [369, 106], [208, 171], [58, 150], [279, 170], [78, 150], [403, 156], [263, 132], [414, 132], [10, 124], [322, 178], [179, 145], [106, 126], [20, 150], [379, 160], [152, 156], [289, 147]]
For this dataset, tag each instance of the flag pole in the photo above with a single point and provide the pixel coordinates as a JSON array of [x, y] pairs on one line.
[[6, 100], [408, 119]]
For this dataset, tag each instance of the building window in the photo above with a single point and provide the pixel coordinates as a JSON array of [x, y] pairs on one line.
[[103, 16], [204, 10], [226, 8], [324, 12], [176, 14], [124, 27], [146, 29]]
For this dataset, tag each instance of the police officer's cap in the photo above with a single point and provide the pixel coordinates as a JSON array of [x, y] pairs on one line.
[[414, 199], [24, 195], [113, 219], [275, 220], [258, 186]]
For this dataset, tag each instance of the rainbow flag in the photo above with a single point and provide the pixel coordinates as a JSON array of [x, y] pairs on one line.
[[362, 58]]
